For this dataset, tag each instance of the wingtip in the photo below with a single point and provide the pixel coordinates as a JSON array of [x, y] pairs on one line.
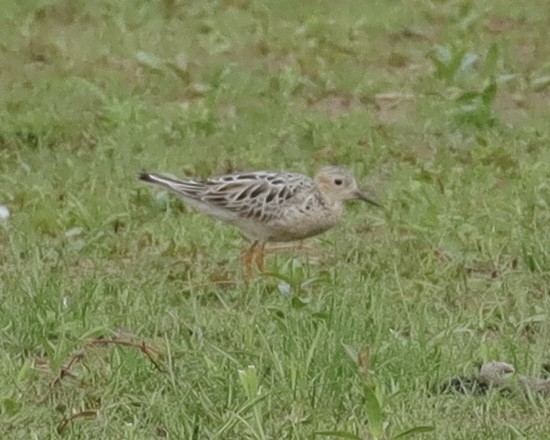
[[146, 177]]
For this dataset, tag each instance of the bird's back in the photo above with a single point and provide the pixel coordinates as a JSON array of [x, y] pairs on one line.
[[255, 201]]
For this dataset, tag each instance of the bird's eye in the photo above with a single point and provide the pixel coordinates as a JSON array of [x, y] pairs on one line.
[[338, 182]]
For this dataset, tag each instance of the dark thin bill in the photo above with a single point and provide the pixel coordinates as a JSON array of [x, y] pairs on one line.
[[363, 197]]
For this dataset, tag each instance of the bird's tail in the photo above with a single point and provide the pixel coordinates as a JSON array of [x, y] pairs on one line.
[[187, 188], [157, 179]]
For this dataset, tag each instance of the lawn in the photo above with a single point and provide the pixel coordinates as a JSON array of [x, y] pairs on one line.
[[125, 314]]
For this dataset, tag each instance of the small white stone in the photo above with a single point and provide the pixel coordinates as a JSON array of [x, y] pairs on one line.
[[4, 212]]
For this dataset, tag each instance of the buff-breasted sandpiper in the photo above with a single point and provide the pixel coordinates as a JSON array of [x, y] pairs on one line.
[[500, 374], [269, 206]]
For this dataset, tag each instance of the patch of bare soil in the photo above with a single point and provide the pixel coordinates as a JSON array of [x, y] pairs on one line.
[[336, 104], [393, 106], [510, 108], [513, 108]]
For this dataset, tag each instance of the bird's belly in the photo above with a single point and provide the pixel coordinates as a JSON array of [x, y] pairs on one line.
[[290, 229]]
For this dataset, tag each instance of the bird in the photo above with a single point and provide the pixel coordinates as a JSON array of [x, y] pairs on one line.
[[269, 206], [501, 374]]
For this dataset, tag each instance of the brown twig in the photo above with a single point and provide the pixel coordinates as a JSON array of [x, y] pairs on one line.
[[149, 351], [66, 370], [152, 354], [65, 422]]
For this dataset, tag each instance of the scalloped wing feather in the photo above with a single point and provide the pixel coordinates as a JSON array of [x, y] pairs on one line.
[[255, 195], [249, 195]]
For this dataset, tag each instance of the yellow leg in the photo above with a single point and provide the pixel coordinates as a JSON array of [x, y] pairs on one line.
[[255, 255], [247, 257], [260, 257]]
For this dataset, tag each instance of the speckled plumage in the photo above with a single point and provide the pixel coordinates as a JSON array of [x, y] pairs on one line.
[[269, 206], [500, 374]]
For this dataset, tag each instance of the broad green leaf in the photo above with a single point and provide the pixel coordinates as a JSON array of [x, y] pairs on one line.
[[374, 413], [489, 93], [491, 60]]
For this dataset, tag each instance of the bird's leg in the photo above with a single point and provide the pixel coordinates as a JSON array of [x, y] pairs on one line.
[[247, 256], [254, 254], [260, 257]]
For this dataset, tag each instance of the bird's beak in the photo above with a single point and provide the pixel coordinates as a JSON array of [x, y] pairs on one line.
[[359, 195]]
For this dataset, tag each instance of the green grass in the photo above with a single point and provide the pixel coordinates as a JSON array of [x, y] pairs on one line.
[[454, 271]]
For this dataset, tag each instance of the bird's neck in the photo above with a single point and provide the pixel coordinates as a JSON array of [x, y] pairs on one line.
[[335, 206]]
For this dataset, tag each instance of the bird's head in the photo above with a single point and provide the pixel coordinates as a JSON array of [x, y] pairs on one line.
[[338, 184]]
